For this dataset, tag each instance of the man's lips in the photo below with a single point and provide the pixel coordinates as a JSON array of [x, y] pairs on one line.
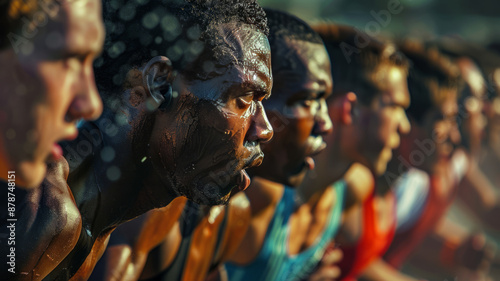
[[316, 145], [56, 151], [243, 180], [255, 160]]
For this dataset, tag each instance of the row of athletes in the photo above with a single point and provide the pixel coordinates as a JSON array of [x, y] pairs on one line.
[[141, 192]]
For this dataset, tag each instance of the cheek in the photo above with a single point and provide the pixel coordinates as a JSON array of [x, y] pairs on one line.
[[388, 125], [293, 137], [60, 86], [206, 136], [303, 129]]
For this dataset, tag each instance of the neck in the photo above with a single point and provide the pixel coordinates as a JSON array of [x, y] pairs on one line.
[[263, 193], [331, 165]]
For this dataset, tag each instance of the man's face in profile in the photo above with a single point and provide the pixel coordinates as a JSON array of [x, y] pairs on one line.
[[382, 124], [217, 121], [298, 112], [48, 84]]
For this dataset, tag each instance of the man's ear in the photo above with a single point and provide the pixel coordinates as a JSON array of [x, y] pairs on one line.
[[343, 108], [157, 76]]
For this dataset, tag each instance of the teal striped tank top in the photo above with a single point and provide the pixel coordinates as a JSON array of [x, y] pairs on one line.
[[273, 263]]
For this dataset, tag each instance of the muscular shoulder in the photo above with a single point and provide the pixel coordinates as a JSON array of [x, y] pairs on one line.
[[264, 196], [48, 224], [239, 207], [148, 230], [360, 184]]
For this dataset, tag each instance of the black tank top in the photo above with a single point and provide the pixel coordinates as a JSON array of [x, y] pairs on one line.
[[190, 218]]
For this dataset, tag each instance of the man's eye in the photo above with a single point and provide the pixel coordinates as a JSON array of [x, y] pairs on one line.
[[246, 99]]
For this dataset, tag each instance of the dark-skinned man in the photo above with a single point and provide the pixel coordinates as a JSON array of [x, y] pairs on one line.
[[288, 232], [202, 240], [185, 119]]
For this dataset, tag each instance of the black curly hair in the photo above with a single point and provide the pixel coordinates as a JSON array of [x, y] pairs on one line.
[[185, 31], [357, 60]]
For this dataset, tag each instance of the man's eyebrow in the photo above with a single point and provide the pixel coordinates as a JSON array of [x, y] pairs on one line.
[[255, 86]]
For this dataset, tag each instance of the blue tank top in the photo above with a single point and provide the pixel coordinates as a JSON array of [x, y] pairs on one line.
[[273, 263]]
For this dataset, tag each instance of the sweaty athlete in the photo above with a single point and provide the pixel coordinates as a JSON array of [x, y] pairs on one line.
[[184, 118]]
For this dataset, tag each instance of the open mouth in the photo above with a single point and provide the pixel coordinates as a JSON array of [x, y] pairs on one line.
[[56, 152]]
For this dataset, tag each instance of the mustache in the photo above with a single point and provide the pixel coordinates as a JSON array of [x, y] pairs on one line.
[[255, 160]]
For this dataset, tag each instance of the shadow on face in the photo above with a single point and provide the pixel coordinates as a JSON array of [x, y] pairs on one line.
[[298, 113], [212, 131]]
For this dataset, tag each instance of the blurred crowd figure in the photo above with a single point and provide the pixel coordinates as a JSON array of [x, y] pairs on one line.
[[220, 140]]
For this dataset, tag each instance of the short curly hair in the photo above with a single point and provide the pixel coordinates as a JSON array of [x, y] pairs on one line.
[[183, 30], [357, 60]]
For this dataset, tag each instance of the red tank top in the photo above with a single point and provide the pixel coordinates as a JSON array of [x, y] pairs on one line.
[[372, 244], [405, 242]]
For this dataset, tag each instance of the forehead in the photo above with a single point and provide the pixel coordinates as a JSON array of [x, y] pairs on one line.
[[242, 58], [307, 68], [75, 27], [85, 28], [396, 87], [241, 44]]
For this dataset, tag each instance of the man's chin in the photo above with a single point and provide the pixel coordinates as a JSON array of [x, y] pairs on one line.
[[379, 171], [296, 179], [209, 194]]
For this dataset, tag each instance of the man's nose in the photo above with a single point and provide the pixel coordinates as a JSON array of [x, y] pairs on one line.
[[323, 125], [260, 130], [87, 103]]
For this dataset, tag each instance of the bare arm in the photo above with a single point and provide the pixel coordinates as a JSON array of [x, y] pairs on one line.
[[131, 243]]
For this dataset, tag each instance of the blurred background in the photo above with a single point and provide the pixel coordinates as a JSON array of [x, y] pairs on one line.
[[474, 20]]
